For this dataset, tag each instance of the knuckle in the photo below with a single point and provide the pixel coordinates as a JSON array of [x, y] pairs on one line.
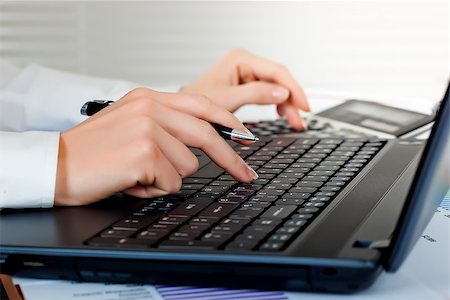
[[190, 165], [144, 126], [237, 51], [193, 165], [176, 185], [147, 150], [280, 70], [204, 103], [234, 53], [236, 160], [144, 105], [209, 134], [140, 92]]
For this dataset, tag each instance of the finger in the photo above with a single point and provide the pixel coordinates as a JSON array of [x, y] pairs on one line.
[[203, 108], [245, 74], [157, 176], [269, 71], [179, 156], [292, 114], [257, 92], [200, 134]]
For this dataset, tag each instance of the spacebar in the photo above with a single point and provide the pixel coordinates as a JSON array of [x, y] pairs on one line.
[[211, 170], [169, 244]]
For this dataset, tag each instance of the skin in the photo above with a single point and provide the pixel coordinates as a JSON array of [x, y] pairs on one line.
[[241, 77], [139, 144]]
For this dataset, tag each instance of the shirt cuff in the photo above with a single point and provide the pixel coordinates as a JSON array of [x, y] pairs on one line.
[[28, 166]]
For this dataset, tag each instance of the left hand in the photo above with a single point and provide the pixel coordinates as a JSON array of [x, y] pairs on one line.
[[243, 78]]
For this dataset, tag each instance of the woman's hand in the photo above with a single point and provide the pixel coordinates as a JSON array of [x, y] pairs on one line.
[[242, 78], [139, 145]]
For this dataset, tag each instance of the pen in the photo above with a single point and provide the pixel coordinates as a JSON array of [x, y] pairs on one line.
[[92, 107]]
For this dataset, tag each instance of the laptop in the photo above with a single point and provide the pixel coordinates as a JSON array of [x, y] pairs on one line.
[[326, 215]]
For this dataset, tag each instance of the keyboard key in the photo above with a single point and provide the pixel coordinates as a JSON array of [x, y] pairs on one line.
[[252, 235], [191, 207], [270, 247], [307, 183], [218, 210], [176, 220], [162, 227], [190, 245], [119, 242], [329, 188], [216, 236], [151, 235], [326, 168], [185, 235], [266, 222], [202, 221], [279, 237], [242, 245], [279, 211], [191, 186], [269, 192], [316, 178], [191, 227], [326, 194], [321, 173], [313, 204], [202, 181], [336, 183], [114, 233], [302, 189], [246, 213], [240, 222], [301, 216], [268, 198], [307, 210], [288, 229], [226, 229], [319, 199], [135, 222], [296, 195], [284, 180], [295, 223], [292, 201]]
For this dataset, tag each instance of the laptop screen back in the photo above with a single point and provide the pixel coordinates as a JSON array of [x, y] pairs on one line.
[[429, 187]]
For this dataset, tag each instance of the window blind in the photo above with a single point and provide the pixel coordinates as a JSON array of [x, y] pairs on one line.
[[378, 48]]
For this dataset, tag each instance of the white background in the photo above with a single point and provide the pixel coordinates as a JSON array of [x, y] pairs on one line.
[[382, 50]]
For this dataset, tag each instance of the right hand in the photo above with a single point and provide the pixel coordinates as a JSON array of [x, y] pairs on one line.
[[138, 145]]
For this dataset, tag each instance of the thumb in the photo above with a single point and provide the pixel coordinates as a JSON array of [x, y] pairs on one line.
[[258, 92]]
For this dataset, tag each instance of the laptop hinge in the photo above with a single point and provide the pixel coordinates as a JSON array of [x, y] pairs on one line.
[[370, 244]]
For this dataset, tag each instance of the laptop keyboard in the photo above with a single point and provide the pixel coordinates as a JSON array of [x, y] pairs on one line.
[[316, 129], [298, 179]]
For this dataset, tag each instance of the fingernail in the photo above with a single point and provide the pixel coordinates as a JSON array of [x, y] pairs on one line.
[[252, 173], [280, 93], [248, 131], [304, 124]]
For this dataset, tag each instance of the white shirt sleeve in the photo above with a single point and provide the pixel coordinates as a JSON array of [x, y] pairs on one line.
[[47, 101], [28, 164]]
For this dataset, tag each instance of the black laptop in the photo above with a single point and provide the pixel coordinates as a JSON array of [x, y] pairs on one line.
[[326, 214]]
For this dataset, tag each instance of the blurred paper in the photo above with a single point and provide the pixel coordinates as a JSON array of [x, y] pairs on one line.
[[68, 290]]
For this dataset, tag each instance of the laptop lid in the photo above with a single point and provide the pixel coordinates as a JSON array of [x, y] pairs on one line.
[[428, 188]]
